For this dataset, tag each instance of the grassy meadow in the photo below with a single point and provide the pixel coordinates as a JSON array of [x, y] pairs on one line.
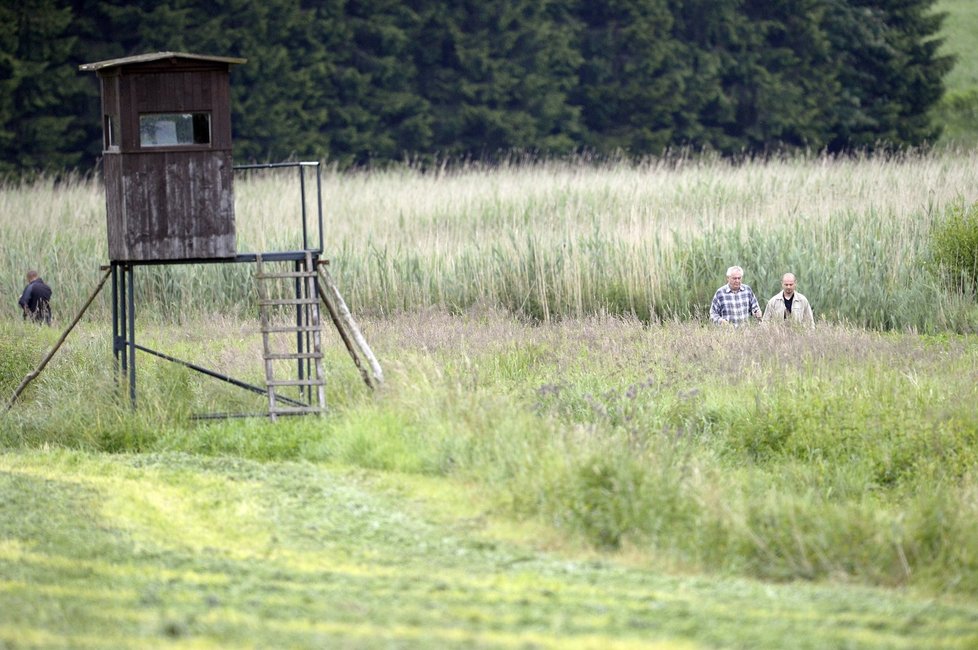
[[564, 453]]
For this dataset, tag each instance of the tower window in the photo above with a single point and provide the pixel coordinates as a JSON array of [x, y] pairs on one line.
[[174, 129], [111, 132]]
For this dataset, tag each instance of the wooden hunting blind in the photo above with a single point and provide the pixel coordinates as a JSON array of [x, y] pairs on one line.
[[168, 168], [167, 160]]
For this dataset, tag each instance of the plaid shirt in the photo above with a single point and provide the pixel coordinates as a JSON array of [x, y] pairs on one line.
[[735, 308]]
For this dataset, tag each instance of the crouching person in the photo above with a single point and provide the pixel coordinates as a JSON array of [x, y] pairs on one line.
[[36, 299]]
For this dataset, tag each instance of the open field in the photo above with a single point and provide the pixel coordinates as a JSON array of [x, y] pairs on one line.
[[958, 33], [563, 454], [174, 551]]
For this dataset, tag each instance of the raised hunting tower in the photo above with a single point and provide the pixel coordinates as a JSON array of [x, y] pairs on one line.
[[168, 171], [167, 156]]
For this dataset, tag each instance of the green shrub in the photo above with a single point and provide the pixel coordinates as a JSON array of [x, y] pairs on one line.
[[954, 245], [601, 499]]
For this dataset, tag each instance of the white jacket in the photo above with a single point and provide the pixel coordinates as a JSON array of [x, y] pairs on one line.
[[801, 311]]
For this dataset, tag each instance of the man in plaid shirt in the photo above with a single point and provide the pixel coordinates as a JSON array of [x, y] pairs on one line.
[[734, 302]]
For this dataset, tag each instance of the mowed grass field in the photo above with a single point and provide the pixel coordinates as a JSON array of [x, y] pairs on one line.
[[564, 453], [178, 551]]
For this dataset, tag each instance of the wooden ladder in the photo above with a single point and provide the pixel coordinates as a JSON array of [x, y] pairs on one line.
[[307, 329]]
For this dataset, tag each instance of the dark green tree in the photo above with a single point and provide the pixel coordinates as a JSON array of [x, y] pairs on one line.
[[762, 76], [378, 114], [497, 76], [631, 81], [790, 82], [889, 72], [39, 90], [363, 81], [706, 32], [279, 97], [111, 29]]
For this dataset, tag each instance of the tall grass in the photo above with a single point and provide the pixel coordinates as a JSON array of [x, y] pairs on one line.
[[557, 239], [839, 453]]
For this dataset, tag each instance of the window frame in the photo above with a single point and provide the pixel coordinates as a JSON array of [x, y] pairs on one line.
[[201, 122]]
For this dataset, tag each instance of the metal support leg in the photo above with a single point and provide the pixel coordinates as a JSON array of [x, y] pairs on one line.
[[302, 193], [132, 338], [314, 339], [123, 321], [115, 318]]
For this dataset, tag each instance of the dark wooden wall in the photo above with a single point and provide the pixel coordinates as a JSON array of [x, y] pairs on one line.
[[203, 90], [170, 206], [172, 202]]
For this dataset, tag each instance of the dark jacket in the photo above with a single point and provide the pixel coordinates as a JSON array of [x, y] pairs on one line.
[[35, 302]]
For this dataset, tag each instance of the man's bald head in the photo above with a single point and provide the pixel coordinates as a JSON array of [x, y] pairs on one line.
[[788, 284]]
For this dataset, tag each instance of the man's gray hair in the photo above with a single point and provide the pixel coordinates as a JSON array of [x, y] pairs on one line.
[[731, 270]]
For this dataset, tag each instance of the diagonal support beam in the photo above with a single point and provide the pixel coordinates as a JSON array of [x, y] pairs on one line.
[[356, 345]]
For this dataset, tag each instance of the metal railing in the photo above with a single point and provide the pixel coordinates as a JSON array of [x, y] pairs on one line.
[[301, 166]]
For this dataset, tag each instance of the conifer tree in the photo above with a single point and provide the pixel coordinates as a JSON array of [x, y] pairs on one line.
[[39, 91], [278, 96], [366, 81], [378, 114], [497, 76], [631, 83], [889, 72]]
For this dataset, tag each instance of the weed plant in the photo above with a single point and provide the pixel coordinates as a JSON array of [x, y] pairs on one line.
[[554, 240], [955, 249], [838, 454]]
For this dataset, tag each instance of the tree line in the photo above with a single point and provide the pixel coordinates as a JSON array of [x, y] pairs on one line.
[[360, 82]]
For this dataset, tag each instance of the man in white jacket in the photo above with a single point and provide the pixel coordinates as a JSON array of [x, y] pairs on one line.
[[789, 305]]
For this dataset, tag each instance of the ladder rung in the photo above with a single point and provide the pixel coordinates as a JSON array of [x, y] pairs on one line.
[[303, 275], [296, 382], [289, 301], [293, 356], [292, 328], [295, 409], [286, 274]]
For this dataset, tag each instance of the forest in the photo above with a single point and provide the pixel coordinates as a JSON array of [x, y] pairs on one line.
[[366, 82]]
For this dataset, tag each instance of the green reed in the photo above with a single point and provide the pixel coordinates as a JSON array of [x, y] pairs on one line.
[[554, 239]]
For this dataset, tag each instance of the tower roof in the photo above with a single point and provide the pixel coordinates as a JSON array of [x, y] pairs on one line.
[[157, 56]]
